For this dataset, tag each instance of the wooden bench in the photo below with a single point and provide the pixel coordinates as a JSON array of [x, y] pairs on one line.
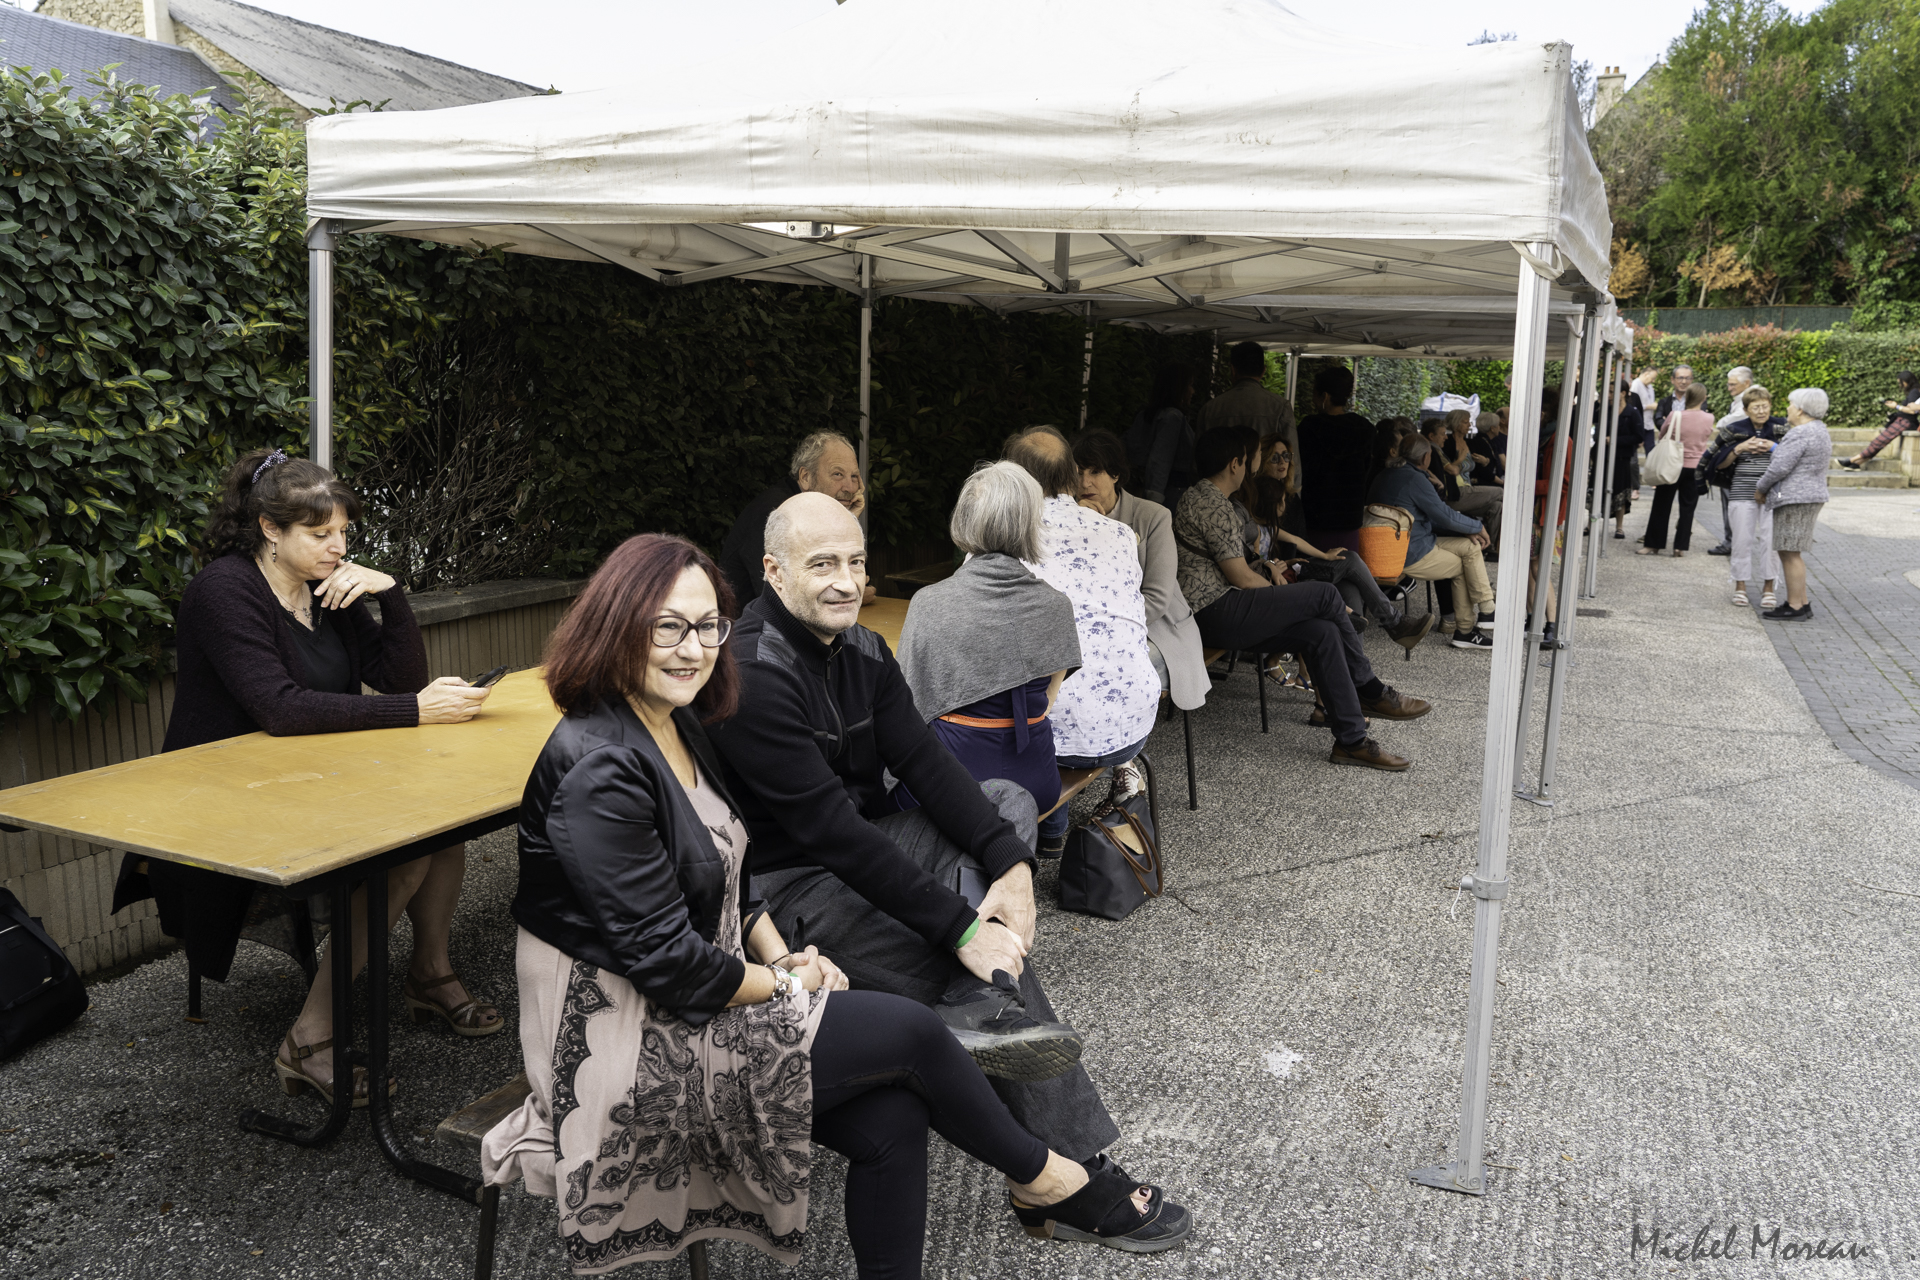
[[467, 1126]]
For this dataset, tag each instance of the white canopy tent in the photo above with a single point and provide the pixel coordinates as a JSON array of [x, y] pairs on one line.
[[1220, 165]]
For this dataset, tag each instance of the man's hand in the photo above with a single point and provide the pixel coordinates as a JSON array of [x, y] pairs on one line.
[[859, 502], [1338, 553], [1010, 901], [1481, 540], [868, 594], [993, 947]]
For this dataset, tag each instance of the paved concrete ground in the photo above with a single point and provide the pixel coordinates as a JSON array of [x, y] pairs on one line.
[[1858, 661], [1706, 1018]]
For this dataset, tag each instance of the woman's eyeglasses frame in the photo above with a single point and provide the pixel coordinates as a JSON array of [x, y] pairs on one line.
[[669, 631]]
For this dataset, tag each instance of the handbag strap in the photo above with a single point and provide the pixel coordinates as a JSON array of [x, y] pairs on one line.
[[1142, 865]]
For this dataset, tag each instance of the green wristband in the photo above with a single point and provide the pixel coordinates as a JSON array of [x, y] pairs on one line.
[[967, 937]]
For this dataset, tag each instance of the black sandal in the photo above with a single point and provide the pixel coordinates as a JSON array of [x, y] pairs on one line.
[[1102, 1212]]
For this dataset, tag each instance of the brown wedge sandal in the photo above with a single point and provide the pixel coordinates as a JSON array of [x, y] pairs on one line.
[[294, 1080], [474, 1018]]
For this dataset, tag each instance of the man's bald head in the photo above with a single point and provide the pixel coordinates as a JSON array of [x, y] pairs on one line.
[[816, 562], [1047, 457]]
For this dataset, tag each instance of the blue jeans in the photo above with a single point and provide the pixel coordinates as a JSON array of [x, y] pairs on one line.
[[1054, 825]]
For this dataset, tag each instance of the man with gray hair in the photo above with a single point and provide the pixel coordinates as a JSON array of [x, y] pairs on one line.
[[824, 462], [1739, 378]]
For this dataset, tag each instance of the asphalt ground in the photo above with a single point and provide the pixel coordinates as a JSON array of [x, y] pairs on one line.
[[1705, 1021]]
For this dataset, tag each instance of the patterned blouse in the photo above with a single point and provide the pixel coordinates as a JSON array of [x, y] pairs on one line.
[[1207, 530], [1111, 701]]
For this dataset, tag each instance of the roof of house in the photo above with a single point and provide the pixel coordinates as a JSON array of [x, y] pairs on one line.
[[48, 44], [314, 65]]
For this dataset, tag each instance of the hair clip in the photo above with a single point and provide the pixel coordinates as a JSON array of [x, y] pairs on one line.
[[274, 459]]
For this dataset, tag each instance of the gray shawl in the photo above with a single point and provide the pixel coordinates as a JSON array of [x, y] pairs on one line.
[[991, 627]]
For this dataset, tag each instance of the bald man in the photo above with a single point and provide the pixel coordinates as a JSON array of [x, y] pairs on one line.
[[935, 903]]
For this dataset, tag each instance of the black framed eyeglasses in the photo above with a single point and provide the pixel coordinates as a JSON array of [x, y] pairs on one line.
[[669, 631]]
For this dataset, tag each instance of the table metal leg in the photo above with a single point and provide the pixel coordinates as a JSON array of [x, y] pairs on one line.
[[344, 1056], [379, 1106]]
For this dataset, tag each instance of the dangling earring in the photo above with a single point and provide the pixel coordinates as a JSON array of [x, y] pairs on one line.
[[276, 553]]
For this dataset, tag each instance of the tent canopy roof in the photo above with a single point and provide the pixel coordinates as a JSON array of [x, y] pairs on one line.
[[1180, 167]]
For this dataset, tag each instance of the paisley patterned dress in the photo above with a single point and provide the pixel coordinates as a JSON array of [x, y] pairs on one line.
[[650, 1132]]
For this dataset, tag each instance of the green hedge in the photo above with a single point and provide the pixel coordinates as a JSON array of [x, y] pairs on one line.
[[153, 306], [1854, 369]]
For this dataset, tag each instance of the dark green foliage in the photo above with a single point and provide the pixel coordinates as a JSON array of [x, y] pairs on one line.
[[1771, 159]]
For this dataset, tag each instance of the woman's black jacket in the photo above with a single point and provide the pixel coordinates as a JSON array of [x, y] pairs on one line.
[[616, 868]]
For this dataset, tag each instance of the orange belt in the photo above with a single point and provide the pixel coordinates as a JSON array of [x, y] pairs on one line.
[[975, 722]]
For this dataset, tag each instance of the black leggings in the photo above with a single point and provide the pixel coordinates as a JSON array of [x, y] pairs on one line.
[[885, 1069], [1688, 491]]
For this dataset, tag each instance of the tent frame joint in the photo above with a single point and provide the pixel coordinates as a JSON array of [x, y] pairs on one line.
[[1485, 889], [1447, 1178]]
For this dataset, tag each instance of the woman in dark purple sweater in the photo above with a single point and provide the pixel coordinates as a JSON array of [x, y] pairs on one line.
[[273, 634]]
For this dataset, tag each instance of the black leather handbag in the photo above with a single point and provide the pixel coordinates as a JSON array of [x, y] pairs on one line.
[[40, 992], [1112, 862]]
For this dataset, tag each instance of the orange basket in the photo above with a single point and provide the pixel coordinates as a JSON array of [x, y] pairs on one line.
[[1385, 551]]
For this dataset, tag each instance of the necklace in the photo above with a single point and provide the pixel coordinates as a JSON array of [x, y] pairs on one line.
[[302, 615]]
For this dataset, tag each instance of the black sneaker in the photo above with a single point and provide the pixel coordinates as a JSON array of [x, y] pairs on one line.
[[1475, 639], [1784, 612], [1486, 621], [1722, 550], [993, 1026], [1051, 848]]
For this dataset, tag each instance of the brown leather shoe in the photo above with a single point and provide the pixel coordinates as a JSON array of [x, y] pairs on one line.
[[1318, 718], [1395, 705], [1411, 631], [1368, 754]]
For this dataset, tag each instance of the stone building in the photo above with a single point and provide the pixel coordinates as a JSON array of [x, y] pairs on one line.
[[300, 66]]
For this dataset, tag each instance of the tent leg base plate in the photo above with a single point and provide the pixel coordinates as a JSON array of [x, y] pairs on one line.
[[1531, 798], [1443, 1177]]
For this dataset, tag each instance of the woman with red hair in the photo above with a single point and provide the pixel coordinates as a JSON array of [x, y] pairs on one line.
[[682, 1055]]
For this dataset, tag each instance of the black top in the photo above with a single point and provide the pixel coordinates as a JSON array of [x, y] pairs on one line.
[[616, 868], [329, 670], [746, 542], [244, 666], [1336, 451], [819, 726]]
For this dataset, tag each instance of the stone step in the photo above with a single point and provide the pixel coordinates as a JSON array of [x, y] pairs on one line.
[[1887, 461], [1860, 434], [1838, 479]]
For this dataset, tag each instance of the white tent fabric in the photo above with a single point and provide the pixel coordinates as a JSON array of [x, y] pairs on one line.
[[1215, 164], [1220, 164]]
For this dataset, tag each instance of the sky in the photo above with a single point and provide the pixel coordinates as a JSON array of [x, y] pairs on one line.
[[584, 44]]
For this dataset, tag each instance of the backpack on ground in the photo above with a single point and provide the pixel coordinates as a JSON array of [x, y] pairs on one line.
[[40, 991]]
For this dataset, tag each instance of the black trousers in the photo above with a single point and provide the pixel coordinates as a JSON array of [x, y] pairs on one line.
[[1688, 489], [1310, 619], [885, 1069]]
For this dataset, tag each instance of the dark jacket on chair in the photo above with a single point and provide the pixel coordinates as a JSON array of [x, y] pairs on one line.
[[616, 868]]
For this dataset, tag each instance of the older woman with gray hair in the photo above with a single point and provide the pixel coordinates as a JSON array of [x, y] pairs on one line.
[[1794, 488], [986, 650]]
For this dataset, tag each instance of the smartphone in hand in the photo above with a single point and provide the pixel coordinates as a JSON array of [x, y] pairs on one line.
[[487, 679]]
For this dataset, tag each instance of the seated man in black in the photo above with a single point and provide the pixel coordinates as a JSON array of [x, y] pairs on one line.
[[825, 462], [1239, 608], [935, 903]]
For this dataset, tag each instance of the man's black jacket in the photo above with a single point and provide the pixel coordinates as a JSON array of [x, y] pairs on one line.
[[746, 542], [818, 725]]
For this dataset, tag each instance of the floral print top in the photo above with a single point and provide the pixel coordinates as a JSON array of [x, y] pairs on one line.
[[1112, 700]]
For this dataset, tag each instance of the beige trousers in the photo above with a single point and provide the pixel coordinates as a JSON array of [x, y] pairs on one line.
[[1457, 560]]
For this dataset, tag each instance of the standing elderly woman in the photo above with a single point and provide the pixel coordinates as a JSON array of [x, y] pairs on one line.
[[680, 1054], [1740, 453], [275, 634], [986, 650], [1694, 427], [1173, 637], [1794, 488]]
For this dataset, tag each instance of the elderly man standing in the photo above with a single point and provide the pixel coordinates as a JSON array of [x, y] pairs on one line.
[[1106, 709], [1739, 378], [935, 903], [824, 462]]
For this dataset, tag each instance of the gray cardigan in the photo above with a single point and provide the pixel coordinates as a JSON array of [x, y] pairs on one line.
[[1170, 623], [1797, 473]]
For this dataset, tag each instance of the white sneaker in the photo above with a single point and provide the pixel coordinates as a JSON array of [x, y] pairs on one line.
[[1127, 782]]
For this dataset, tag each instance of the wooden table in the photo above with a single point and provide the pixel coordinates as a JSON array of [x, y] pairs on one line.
[[321, 811], [885, 616]]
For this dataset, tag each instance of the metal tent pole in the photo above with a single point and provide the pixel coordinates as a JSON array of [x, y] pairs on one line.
[[1086, 370], [1570, 563], [1549, 531], [866, 372], [1603, 470], [1488, 883], [321, 242], [1293, 377]]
